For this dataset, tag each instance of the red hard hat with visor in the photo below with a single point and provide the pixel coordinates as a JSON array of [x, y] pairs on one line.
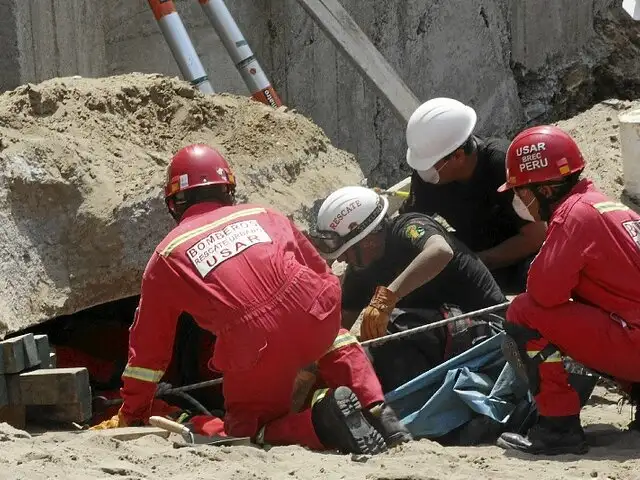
[[541, 154]]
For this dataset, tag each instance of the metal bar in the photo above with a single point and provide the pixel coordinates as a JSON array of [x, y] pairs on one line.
[[349, 38], [431, 326], [240, 52], [176, 36]]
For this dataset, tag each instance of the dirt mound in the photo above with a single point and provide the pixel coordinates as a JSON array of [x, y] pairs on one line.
[[82, 165], [596, 132]]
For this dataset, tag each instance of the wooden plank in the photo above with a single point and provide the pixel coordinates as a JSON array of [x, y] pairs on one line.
[[351, 41], [13, 415], [19, 353], [4, 393], [50, 386], [79, 412], [44, 350], [132, 433]]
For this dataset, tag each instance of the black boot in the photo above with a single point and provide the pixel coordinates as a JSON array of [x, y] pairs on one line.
[[339, 423], [384, 419], [550, 436]]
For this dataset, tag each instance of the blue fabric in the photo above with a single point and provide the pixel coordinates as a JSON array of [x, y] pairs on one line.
[[477, 382]]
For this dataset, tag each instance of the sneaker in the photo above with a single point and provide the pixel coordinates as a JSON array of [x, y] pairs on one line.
[[340, 423]]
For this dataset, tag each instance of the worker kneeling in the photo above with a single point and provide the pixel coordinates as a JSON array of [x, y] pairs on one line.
[[246, 274], [409, 261], [583, 288]]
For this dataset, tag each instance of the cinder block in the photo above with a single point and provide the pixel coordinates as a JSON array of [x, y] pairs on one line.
[[51, 386], [19, 353], [44, 350]]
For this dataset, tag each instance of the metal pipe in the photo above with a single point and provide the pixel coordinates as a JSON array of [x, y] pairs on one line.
[[176, 36], [240, 52]]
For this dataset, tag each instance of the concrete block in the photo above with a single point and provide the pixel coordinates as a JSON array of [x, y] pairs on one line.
[[44, 350], [53, 386]]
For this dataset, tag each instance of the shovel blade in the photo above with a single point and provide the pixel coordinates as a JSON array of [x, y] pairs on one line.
[[216, 440]]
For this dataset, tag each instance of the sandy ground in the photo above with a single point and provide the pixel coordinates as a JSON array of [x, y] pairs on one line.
[[75, 456]]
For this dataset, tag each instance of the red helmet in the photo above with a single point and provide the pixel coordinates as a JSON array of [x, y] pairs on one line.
[[196, 166], [541, 154]]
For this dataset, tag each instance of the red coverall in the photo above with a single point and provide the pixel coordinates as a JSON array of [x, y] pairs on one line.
[[246, 274], [591, 255]]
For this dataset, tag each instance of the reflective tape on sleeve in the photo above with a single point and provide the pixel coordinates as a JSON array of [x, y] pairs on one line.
[[143, 374]]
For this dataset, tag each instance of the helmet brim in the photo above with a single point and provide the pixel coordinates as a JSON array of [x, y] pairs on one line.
[[361, 235]]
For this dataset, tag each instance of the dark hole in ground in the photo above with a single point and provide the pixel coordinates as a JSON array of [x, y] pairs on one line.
[[97, 338]]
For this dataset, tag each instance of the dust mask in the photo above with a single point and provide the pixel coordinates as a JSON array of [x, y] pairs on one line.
[[430, 176], [521, 209]]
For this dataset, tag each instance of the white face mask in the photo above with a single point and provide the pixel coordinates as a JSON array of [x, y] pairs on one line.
[[430, 176], [521, 209]]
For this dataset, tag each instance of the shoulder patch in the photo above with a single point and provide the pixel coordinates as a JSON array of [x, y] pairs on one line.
[[414, 231]]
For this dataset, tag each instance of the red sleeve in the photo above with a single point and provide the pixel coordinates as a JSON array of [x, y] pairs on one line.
[[310, 255], [555, 271], [151, 339]]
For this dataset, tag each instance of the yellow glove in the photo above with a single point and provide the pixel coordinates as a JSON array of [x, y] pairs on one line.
[[376, 316], [117, 421]]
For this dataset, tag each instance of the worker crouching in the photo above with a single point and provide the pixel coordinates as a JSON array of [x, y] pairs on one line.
[[246, 274], [583, 288]]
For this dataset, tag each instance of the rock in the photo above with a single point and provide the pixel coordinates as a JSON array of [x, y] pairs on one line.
[[82, 165]]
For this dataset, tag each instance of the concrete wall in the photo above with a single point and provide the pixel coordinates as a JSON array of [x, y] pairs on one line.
[[459, 48]]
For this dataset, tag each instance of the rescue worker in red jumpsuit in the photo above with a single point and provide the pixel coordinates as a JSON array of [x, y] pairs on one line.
[[246, 274], [583, 288]]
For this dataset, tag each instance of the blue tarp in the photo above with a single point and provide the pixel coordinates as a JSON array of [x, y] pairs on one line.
[[476, 382]]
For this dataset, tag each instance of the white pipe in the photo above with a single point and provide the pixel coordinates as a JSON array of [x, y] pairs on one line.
[[630, 149], [176, 36]]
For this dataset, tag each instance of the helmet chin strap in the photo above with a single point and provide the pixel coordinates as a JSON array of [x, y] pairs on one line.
[[544, 206], [559, 190]]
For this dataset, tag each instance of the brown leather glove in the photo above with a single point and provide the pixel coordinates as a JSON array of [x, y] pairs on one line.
[[117, 421], [376, 316]]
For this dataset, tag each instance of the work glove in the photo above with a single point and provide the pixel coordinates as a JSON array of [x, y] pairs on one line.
[[117, 421], [375, 317]]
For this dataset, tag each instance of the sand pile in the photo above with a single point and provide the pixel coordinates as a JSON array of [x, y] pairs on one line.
[[596, 131], [82, 164]]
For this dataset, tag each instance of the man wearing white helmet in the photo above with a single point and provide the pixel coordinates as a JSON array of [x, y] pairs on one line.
[[409, 261], [456, 175]]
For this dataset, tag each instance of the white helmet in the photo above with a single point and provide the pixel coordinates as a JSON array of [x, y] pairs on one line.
[[436, 129], [347, 216]]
